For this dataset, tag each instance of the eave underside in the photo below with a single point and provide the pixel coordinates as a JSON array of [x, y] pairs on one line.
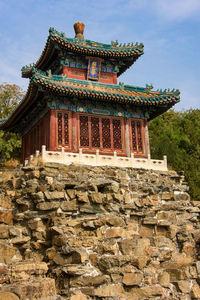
[[38, 94]]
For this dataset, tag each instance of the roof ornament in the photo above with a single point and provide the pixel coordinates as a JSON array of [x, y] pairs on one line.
[[121, 84], [149, 87], [79, 29], [114, 44]]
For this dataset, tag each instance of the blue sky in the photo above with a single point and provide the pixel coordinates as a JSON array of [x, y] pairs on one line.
[[169, 30]]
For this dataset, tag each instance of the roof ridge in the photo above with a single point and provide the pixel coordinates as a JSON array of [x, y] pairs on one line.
[[112, 46]]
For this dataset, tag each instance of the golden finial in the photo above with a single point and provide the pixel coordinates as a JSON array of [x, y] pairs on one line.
[[79, 29]]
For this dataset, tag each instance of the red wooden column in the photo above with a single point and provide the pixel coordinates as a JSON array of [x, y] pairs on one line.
[[74, 131], [127, 137], [52, 130], [146, 136]]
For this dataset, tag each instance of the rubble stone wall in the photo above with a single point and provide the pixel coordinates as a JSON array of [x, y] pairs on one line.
[[77, 232]]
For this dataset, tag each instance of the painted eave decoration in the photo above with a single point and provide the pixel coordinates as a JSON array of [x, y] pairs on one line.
[[127, 53], [156, 102], [102, 91]]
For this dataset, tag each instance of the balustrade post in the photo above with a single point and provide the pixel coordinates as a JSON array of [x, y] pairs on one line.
[[132, 160], [43, 150], [97, 157], [80, 156], [115, 158], [165, 160]]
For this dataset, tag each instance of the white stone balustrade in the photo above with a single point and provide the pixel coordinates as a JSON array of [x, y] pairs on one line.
[[97, 159]]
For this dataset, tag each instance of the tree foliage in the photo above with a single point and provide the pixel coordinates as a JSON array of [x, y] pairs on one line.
[[177, 135], [10, 143]]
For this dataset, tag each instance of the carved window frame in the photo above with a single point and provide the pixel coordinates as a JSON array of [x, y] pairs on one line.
[[137, 144], [63, 143], [102, 149]]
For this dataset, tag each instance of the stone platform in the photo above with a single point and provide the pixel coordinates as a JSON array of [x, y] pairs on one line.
[[87, 233], [99, 160]]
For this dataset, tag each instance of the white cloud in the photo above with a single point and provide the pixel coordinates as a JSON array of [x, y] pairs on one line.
[[170, 10], [177, 9]]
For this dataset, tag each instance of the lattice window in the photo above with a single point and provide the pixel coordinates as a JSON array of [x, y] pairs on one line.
[[134, 138], [136, 135], [84, 131], [63, 129], [139, 136], [66, 129], [106, 135], [60, 135], [117, 134], [95, 132]]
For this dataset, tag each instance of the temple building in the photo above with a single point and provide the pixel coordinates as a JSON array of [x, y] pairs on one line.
[[75, 111]]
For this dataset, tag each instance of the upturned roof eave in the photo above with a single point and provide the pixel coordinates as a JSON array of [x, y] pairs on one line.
[[131, 53], [37, 82], [96, 90]]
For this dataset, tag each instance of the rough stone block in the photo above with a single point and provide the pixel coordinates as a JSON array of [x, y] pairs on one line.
[[109, 291], [36, 224], [8, 296], [178, 261], [153, 291], [184, 286], [115, 232], [21, 240], [36, 289], [48, 205], [189, 249], [69, 205], [55, 195], [195, 292], [181, 196], [4, 231], [71, 193], [167, 196], [62, 260], [126, 246], [4, 273], [91, 209], [96, 197], [115, 221], [23, 270], [89, 280], [5, 202], [80, 270], [146, 230], [82, 196], [16, 182], [78, 297], [6, 216], [118, 197], [7, 252], [130, 279], [142, 247], [164, 279]]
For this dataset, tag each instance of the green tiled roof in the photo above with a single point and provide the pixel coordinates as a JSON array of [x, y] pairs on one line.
[[93, 48], [127, 54], [102, 91]]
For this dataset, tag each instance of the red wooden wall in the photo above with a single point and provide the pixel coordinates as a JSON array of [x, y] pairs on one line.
[[82, 74], [73, 130]]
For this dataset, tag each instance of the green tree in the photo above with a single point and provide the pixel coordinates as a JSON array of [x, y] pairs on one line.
[[177, 134], [10, 143]]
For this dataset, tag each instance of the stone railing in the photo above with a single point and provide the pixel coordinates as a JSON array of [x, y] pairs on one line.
[[97, 159]]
